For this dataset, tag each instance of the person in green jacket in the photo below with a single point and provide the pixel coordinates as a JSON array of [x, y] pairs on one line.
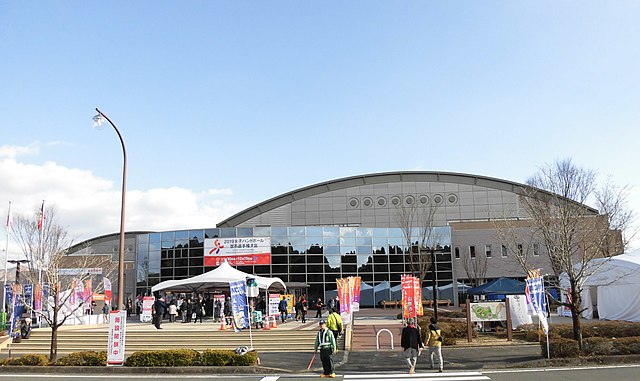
[[327, 345], [334, 323]]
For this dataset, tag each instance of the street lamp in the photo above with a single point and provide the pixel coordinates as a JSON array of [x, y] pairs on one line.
[[97, 121]]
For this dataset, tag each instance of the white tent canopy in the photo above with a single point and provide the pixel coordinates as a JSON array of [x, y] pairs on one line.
[[613, 287], [218, 277]]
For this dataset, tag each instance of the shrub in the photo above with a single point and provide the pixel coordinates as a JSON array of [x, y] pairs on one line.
[[560, 347], [597, 346], [451, 329], [169, 358], [29, 360], [216, 357], [247, 359], [88, 358]]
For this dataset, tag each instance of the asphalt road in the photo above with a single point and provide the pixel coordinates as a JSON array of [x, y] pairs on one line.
[[618, 373]]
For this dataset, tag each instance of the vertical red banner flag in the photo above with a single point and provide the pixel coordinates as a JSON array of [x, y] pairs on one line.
[[41, 217], [418, 296], [408, 297], [345, 299], [355, 283]]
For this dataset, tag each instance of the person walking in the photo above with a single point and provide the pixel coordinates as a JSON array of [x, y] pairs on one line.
[[173, 312], [105, 312], [319, 306], [199, 310], [282, 307], [434, 341], [217, 310], [327, 345], [183, 310], [158, 310], [334, 323], [228, 312], [412, 344]]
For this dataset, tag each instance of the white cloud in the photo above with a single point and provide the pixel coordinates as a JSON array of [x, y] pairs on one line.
[[15, 151], [89, 206]]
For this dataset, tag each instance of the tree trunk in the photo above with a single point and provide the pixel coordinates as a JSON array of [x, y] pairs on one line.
[[53, 352], [575, 316]]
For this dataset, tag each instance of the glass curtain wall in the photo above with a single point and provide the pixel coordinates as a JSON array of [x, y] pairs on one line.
[[313, 255]]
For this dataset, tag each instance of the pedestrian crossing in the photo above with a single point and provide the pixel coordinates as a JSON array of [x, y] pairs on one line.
[[445, 376]]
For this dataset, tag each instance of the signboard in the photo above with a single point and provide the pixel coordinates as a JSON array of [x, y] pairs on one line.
[[488, 311], [237, 251], [274, 300], [117, 327], [147, 306]]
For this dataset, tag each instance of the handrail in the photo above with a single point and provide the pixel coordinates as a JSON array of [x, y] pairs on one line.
[[378, 338]]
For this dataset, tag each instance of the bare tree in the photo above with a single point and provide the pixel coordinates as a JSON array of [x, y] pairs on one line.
[[417, 223], [475, 267], [46, 248], [573, 234]]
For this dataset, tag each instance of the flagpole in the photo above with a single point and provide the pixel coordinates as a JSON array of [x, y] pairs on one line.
[[6, 260], [40, 260]]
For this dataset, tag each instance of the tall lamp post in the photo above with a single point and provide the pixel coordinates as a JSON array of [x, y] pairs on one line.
[[97, 121]]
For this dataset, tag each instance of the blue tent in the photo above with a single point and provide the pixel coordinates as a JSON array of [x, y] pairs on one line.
[[500, 286]]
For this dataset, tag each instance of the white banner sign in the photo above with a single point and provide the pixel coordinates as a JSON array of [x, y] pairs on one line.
[[117, 328], [147, 306], [488, 311], [237, 251]]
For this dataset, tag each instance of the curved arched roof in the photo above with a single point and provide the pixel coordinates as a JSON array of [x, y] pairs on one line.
[[375, 178]]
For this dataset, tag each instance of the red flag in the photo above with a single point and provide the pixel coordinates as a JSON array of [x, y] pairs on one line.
[[41, 217]]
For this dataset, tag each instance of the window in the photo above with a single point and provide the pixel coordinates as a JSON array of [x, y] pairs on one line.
[[504, 251], [536, 249], [487, 250], [520, 249], [472, 251], [457, 252]]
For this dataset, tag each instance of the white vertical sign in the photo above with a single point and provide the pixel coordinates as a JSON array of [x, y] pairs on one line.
[[117, 327]]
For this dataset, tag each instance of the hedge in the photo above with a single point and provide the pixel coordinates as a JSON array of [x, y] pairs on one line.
[[451, 329], [88, 358], [167, 358], [27, 360], [559, 347], [160, 358]]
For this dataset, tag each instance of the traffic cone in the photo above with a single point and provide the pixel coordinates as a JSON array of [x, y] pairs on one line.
[[274, 322], [265, 324], [223, 325]]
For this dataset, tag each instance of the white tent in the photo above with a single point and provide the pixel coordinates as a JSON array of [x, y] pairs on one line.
[[218, 277], [613, 287]]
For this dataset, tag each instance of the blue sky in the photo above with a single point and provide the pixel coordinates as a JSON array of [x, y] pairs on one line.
[[225, 104]]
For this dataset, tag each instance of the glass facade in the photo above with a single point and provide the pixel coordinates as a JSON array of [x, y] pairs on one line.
[[314, 255]]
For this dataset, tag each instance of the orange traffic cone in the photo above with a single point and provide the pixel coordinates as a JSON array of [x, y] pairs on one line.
[[274, 322], [265, 323], [223, 325]]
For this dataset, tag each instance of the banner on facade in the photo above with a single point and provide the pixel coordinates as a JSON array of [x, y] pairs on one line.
[[237, 251], [117, 329], [239, 307], [80, 271]]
